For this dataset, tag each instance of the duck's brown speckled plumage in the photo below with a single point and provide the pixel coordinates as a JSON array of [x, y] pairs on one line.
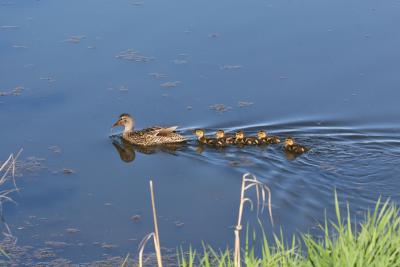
[[149, 136]]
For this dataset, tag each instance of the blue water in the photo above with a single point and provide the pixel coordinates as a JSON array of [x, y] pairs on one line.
[[325, 72]]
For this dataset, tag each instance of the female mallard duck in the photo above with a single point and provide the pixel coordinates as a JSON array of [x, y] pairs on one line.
[[223, 139], [149, 136], [263, 138], [291, 147]]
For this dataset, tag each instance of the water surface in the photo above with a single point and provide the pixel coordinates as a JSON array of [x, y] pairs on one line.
[[325, 72]]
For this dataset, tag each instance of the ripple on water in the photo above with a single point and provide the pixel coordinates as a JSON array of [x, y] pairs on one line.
[[361, 162]]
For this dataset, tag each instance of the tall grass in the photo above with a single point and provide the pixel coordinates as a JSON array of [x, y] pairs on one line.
[[373, 242]]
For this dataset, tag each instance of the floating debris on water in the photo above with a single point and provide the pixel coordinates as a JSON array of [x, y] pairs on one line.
[[220, 108], [243, 104], [49, 79], [123, 88], [44, 253], [214, 35], [56, 244], [136, 218], [108, 246], [231, 67], [179, 224], [137, 3], [132, 55], [14, 92], [157, 75], [76, 39], [9, 27], [180, 61], [91, 47], [29, 256], [31, 165], [72, 230], [68, 171], [170, 84], [189, 107], [55, 149], [20, 46]]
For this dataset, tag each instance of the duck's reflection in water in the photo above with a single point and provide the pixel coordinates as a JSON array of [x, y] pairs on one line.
[[291, 155], [127, 151]]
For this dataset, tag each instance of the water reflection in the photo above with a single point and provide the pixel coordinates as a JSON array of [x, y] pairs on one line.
[[127, 151]]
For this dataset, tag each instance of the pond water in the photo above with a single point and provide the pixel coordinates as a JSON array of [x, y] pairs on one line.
[[325, 72]]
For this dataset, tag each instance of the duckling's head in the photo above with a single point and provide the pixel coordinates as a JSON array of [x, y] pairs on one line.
[[199, 133], [125, 120], [261, 134], [220, 134], [289, 141], [239, 135]]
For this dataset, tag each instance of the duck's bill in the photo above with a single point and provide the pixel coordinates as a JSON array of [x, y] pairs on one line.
[[115, 125]]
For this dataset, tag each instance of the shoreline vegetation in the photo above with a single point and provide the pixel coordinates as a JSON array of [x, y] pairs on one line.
[[374, 241]]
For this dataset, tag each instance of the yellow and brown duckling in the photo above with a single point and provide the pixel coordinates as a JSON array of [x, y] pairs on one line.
[[291, 147], [201, 136], [240, 138], [223, 139], [264, 138], [149, 136], [251, 140]]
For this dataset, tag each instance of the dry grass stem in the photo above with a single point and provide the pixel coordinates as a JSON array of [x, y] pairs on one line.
[[153, 235], [7, 171], [249, 181]]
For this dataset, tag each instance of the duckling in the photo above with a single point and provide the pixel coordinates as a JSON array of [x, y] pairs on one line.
[[224, 139], [240, 138], [263, 138], [291, 147], [251, 140], [200, 133]]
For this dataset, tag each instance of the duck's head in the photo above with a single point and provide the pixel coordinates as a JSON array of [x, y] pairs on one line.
[[261, 134], [220, 134], [126, 121], [239, 135], [289, 141], [199, 133]]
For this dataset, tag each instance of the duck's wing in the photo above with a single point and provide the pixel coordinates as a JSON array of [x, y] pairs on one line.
[[165, 131], [150, 131]]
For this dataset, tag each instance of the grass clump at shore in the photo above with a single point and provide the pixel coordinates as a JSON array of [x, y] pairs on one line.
[[373, 242]]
